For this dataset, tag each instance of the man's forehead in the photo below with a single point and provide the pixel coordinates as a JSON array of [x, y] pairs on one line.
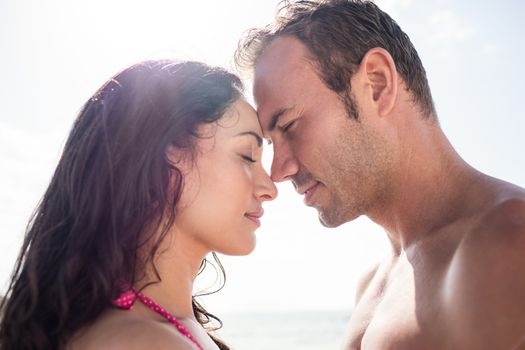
[[268, 111], [282, 56], [281, 64]]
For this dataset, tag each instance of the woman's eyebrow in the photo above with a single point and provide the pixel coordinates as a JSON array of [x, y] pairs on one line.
[[254, 134]]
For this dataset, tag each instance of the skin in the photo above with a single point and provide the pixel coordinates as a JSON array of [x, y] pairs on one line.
[[225, 186], [453, 278]]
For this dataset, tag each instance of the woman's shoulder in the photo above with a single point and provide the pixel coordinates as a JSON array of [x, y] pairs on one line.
[[118, 333]]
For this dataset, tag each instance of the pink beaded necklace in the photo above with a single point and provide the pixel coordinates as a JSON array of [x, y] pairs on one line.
[[127, 299]]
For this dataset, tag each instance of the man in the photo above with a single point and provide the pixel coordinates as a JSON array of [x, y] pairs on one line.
[[343, 97]]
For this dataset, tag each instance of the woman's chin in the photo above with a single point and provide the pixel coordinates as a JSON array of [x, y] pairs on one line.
[[241, 249]]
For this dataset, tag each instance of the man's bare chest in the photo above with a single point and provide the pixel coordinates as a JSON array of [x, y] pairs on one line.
[[401, 310]]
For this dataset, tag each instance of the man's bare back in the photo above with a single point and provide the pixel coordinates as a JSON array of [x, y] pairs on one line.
[[451, 289]]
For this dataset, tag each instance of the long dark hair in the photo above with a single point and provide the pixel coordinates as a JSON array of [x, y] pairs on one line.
[[110, 187]]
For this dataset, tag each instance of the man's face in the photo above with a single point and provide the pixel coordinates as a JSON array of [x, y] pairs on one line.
[[338, 163]]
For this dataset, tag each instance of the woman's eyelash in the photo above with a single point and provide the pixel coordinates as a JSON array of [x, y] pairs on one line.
[[249, 159]]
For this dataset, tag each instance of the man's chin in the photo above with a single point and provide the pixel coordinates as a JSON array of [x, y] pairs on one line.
[[333, 219]]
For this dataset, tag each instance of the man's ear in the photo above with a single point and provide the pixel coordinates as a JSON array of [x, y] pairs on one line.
[[380, 74]]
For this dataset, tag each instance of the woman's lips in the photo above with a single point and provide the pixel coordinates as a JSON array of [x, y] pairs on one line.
[[255, 216]]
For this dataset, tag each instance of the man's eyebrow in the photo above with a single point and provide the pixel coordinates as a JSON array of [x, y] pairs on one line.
[[254, 134], [275, 117]]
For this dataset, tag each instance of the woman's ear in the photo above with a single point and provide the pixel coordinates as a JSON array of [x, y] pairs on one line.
[[179, 157], [380, 74], [174, 155], [179, 164]]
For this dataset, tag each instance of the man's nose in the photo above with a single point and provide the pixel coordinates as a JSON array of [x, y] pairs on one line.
[[284, 164]]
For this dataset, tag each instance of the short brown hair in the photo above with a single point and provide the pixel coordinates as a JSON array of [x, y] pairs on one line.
[[338, 34]]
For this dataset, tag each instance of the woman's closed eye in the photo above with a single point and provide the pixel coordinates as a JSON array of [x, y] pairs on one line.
[[248, 158]]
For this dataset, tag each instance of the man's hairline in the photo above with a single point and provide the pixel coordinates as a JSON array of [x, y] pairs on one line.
[[309, 58]]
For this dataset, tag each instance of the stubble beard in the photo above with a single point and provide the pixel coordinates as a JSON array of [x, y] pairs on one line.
[[343, 207], [359, 180], [334, 218]]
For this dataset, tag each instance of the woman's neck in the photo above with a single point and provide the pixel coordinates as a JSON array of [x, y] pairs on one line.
[[177, 264]]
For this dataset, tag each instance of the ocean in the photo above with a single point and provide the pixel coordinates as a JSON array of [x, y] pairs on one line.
[[304, 330]]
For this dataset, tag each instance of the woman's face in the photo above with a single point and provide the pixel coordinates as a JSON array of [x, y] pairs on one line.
[[225, 185]]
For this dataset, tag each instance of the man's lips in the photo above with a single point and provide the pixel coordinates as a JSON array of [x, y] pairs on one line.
[[255, 216], [309, 192], [303, 189]]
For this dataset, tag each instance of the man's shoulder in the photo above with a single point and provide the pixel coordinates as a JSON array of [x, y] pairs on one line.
[[507, 213], [498, 230], [364, 281], [495, 230], [484, 285], [495, 241]]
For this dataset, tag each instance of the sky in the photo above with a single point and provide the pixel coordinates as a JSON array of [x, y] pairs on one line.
[[55, 54]]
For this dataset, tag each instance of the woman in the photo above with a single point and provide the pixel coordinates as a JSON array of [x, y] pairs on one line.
[[162, 166]]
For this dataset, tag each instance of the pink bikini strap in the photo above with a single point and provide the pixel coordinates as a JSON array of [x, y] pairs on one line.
[[127, 299]]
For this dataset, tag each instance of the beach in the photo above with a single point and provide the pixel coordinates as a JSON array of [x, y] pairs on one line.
[[305, 330]]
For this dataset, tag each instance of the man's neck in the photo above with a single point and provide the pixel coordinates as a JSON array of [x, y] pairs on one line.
[[432, 188]]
